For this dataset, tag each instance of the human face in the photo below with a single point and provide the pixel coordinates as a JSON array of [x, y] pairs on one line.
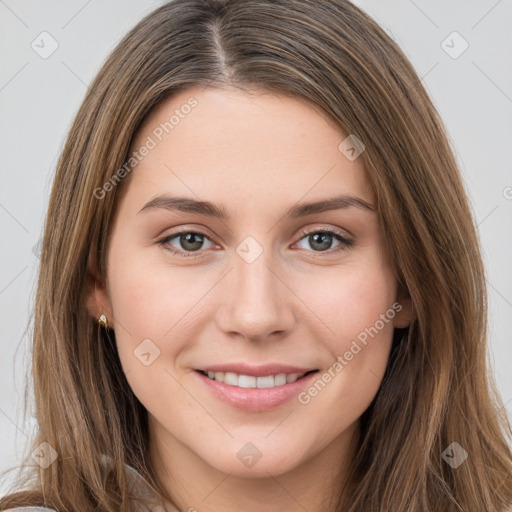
[[255, 288]]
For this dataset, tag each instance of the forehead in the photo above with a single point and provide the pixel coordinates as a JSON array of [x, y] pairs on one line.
[[231, 144]]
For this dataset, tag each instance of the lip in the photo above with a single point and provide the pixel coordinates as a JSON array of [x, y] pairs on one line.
[[256, 371], [255, 399]]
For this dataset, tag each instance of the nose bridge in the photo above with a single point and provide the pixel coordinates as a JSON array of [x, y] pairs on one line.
[[259, 302], [255, 282]]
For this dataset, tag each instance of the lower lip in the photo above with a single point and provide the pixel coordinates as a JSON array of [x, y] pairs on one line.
[[255, 399]]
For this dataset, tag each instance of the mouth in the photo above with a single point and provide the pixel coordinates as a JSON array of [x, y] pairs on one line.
[[255, 389], [253, 381]]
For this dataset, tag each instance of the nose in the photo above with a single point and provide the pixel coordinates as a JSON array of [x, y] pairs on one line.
[[258, 303]]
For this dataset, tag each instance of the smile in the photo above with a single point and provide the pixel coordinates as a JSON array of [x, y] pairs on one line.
[[251, 381], [267, 388]]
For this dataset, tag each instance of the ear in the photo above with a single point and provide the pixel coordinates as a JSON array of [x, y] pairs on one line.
[[405, 315], [96, 293]]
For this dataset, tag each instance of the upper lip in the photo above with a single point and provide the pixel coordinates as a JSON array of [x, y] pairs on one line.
[[256, 371]]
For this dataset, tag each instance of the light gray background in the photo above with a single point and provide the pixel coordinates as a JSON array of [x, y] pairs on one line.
[[39, 98]]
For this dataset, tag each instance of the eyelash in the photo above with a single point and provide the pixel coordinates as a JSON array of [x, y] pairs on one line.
[[345, 242]]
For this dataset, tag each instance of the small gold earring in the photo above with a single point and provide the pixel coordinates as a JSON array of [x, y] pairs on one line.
[[103, 321]]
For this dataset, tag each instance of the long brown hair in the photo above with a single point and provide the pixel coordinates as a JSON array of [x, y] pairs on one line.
[[437, 389]]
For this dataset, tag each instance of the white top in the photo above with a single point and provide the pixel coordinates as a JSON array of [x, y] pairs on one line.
[[138, 483], [30, 509]]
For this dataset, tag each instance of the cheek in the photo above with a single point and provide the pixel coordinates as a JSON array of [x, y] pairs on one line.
[[139, 297], [158, 309], [148, 297], [351, 298], [356, 303], [147, 304]]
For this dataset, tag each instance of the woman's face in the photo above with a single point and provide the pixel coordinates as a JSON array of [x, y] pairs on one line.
[[270, 287]]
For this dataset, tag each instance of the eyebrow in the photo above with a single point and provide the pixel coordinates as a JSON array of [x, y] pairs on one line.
[[187, 205]]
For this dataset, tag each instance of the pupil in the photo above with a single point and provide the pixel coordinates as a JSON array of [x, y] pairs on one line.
[[189, 238], [324, 236]]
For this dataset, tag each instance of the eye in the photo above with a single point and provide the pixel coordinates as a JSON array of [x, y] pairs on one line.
[[190, 241], [321, 240]]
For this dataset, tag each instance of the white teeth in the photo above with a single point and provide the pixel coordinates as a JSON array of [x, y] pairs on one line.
[[266, 382], [246, 381], [249, 381], [231, 379], [280, 379]]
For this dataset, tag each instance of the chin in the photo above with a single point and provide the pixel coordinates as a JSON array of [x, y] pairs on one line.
[[262, 468], [255, 459]]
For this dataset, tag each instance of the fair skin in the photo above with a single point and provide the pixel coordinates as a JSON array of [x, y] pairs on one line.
[[301, 302]]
